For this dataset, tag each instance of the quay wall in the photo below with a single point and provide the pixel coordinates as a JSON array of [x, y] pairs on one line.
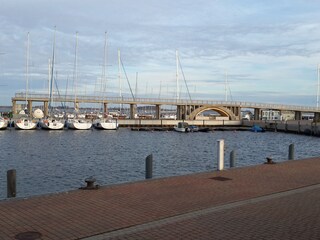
[[293, 126], [303, 126], [167, 123]]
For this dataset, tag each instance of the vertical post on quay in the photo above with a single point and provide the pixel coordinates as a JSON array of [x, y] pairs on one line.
[[11, 183], [149, 164], [291, 152], [220, 154], [232, 159]]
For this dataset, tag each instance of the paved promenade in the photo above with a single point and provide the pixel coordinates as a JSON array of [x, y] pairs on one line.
[[268, 201]]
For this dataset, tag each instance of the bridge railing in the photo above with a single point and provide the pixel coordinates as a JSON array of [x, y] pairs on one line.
[[164, 101]]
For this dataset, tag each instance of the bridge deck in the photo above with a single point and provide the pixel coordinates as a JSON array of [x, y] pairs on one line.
[[160, 101]]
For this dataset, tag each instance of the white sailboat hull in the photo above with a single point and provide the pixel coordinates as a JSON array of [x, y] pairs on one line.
[[25, 124], [106, 124], [79, 124], [3, 124], [51, 124]]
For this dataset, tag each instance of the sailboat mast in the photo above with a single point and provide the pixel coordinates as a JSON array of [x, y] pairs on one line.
[[49, 76], [75, 73], [318, 87], [136, 88], [119, 73], [225, 86], [27, 68], [119, 76], [52, 68], [104, 83], [177, 75]]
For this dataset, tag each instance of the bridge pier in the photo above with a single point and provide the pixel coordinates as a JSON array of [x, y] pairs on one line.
[[14, 107], [182, 112], [158, 111], [179, 112], [76, 105], [29, 107], [133, 110], [105, 108], [298, 115], [316, 117], [236, 111], [257, 113], [46, 108]]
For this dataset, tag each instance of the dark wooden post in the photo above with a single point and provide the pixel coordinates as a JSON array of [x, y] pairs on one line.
[[232, 158], [11, 183], [291, 152], [149, 166]]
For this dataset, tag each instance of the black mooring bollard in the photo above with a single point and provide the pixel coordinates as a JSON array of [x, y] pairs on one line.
[[11, 183], [291, 152], [149, 166], [232, 158]]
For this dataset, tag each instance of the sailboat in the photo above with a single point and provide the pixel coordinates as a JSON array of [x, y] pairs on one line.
[[106, 122], [78, 123], [51, 122], [26, 123], [3, 123]]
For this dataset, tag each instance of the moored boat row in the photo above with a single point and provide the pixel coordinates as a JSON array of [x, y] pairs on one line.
[[52, 123], [60, 124]]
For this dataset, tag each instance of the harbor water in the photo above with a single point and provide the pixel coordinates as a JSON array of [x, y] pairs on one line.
[[59, 161]]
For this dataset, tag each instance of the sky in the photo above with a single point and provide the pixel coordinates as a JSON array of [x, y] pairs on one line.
[[248, 50]]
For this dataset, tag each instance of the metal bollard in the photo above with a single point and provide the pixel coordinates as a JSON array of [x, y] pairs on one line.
[[149, 160], [220, 154], [11, 183], [232, 159], [291, 152]]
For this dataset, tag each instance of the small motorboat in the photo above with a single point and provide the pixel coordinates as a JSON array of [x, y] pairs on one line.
[[256, 128], [182, 127], [193, 128]]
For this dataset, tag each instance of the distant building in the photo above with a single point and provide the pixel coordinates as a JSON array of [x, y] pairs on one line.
[[307, 116], [271, 115], [277, 115]]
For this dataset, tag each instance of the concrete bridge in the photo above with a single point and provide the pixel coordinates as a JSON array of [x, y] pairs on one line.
[[185, 109]]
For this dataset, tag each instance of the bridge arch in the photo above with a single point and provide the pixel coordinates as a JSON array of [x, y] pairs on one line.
[[223, 111]]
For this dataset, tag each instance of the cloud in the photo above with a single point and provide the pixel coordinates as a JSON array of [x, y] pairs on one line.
[[264, 47]]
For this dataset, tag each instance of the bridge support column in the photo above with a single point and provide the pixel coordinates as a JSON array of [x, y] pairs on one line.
[[257, 112], [133, 110], [185, 110], [237, 112], [105, 108], [29, 107], [188, 110], [158, 111], [76, 105], [14, 107], [297, 115], [316, 117], [179, 112], [46, 108]]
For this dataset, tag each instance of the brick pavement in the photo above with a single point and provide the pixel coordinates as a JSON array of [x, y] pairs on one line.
[[81, 214]]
